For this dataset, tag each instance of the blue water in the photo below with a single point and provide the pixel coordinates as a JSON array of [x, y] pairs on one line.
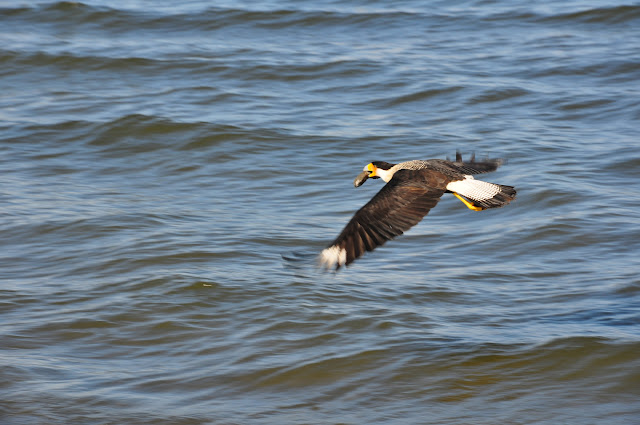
[[158, 161]]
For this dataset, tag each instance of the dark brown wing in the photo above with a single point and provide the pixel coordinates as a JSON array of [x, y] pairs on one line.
[[472, 166], [397, 207]]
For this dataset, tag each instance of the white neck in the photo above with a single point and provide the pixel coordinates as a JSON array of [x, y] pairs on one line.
[[385, 174]]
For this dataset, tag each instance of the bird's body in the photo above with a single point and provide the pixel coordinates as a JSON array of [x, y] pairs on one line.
[[412, 189]]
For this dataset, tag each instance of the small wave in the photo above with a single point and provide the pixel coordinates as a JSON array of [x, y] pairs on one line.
[[65, 61], [419, 96], [607, 15], [209, 19], [76, 13], [181, 19], [497, 94], [216, 18]]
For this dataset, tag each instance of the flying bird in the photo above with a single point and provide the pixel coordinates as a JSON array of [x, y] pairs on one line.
[[412, 189]]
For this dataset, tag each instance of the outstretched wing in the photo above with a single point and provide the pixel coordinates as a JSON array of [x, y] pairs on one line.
[[472, 166], [397, 207]]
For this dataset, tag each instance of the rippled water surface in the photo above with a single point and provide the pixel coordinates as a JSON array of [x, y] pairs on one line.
[[157, 162]]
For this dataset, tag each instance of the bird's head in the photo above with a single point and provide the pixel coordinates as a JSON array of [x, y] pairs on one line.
[[374, 170]]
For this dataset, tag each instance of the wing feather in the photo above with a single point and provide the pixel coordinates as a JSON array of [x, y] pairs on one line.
[[472, 166], [397, 207]]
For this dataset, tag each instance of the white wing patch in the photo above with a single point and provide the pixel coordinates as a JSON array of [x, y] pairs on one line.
[[473, 189], [331, 256]]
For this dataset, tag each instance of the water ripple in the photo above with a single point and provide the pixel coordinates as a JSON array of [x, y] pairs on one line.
[[170, 172]]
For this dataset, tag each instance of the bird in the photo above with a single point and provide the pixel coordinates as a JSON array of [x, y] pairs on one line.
[[412, 189]]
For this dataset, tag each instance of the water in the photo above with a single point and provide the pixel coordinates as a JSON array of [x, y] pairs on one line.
[[157, 161]]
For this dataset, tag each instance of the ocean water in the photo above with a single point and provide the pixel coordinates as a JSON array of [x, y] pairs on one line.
[[160, 162]]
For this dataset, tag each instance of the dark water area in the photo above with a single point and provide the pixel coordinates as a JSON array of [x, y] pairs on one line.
[[157, 162]]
